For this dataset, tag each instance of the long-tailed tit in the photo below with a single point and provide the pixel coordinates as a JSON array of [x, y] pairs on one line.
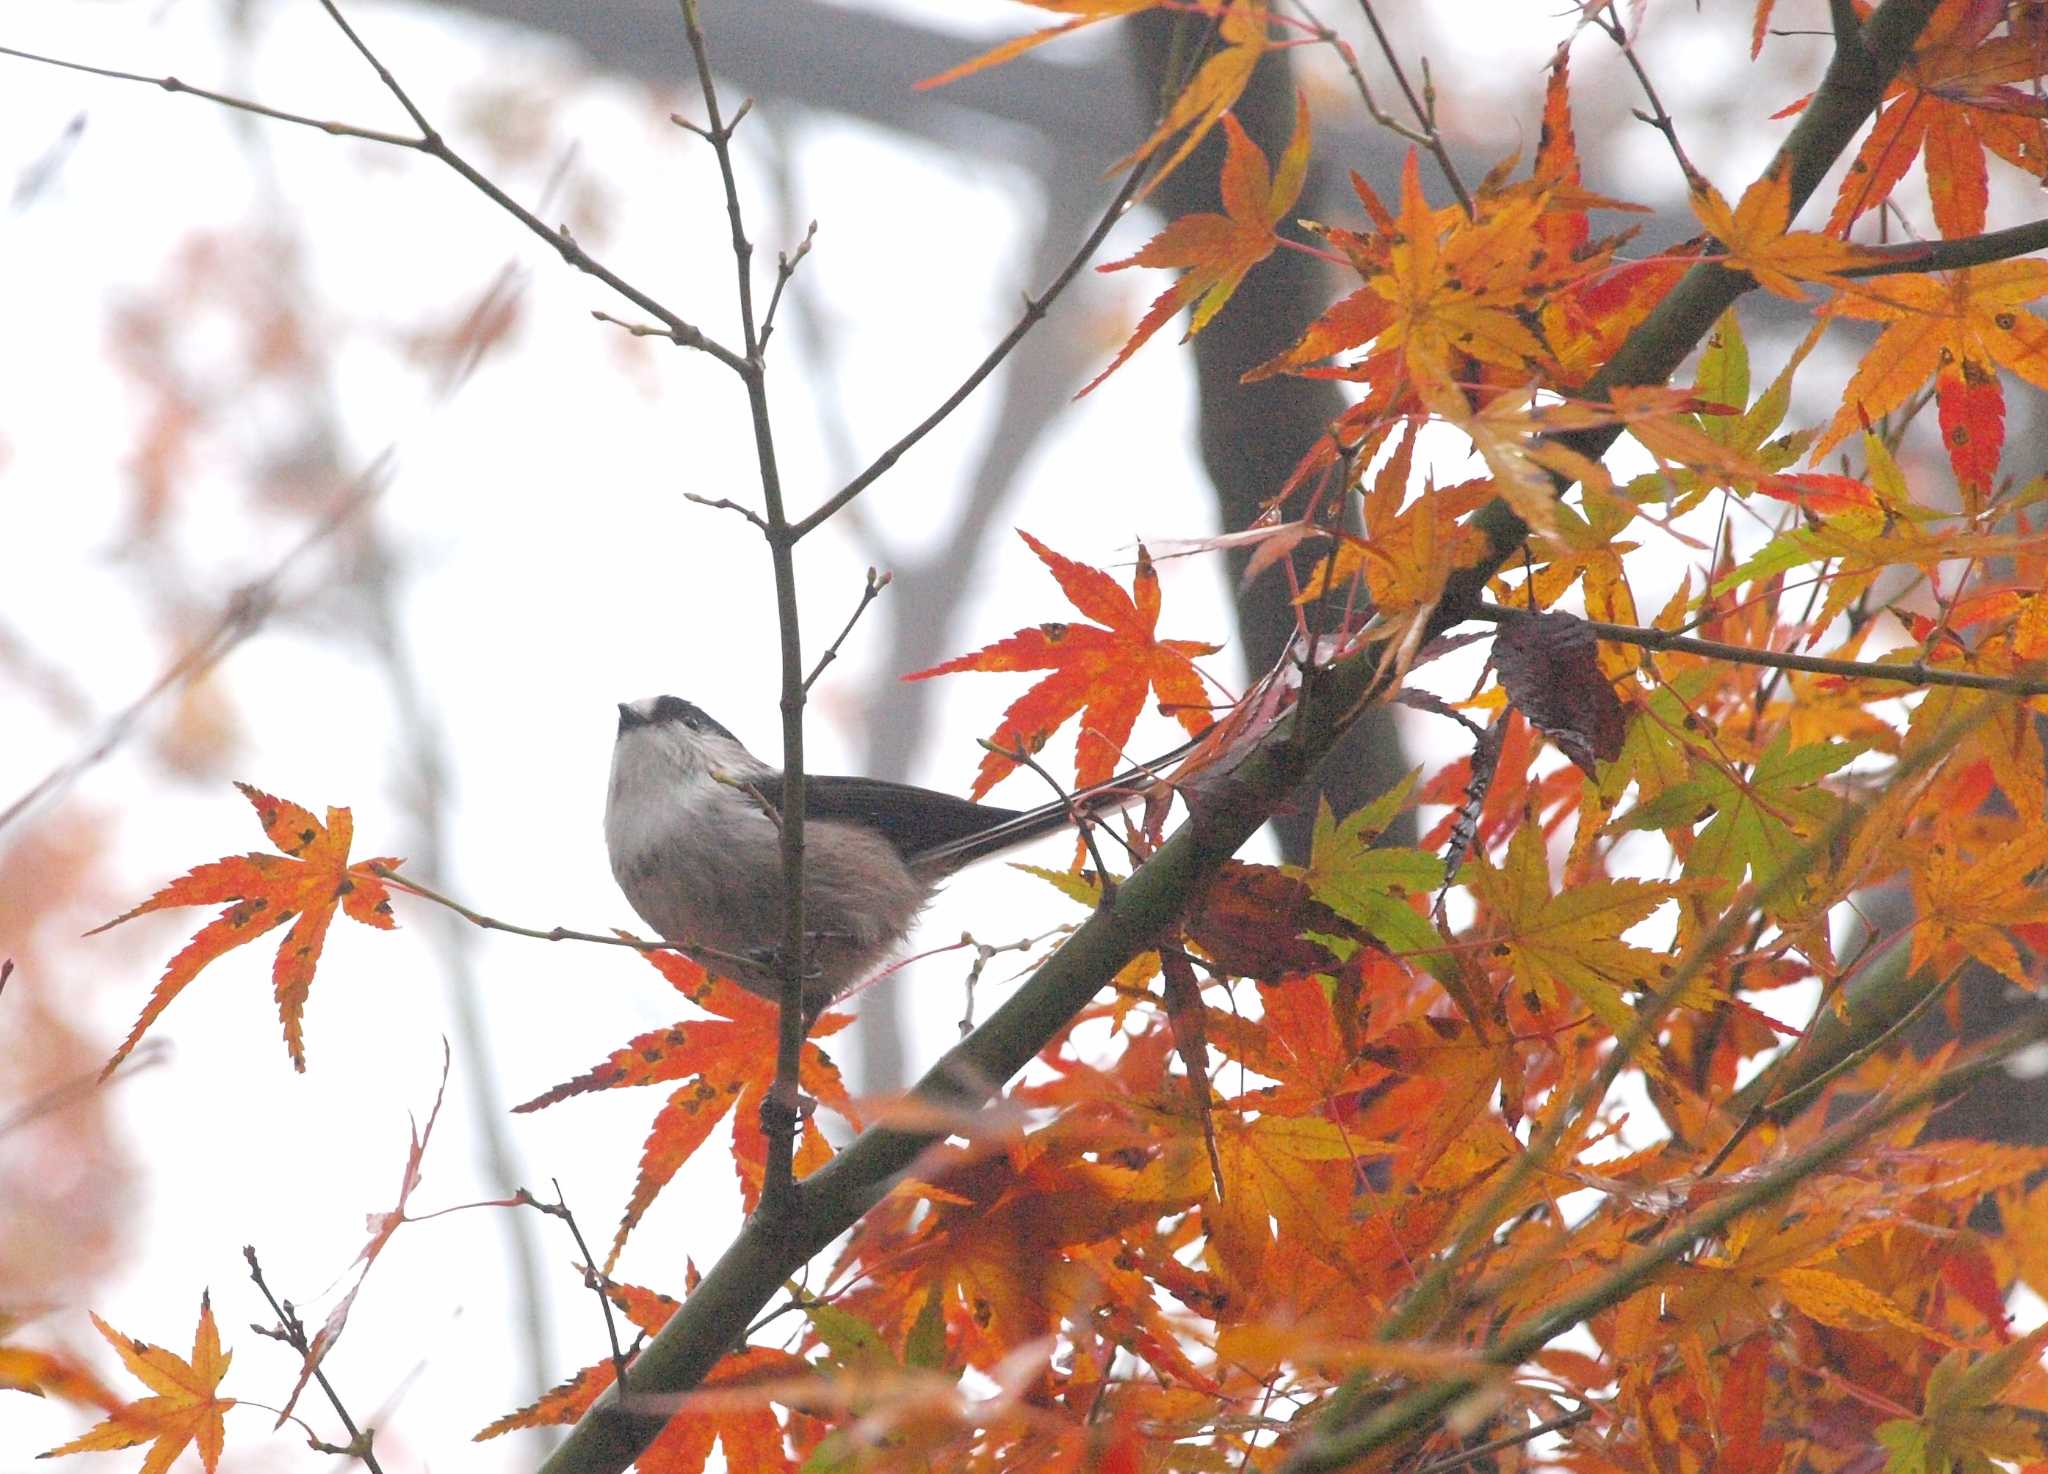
[[697, 849]]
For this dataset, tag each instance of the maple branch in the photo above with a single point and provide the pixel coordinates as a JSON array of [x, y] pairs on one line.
[[1918, 673], [1530, 1434], [785, 267], [1035, 308], [1415, 1411], [1429, 1295], [727, 504], [1817, 1059], [433, 145], [292, 1331], [1079, 820], [240, 616], [593, 1276], [868, 594], [1423, 107], [554, 933], [1657, 117], [207, 94], [781, 1107], [1956, 252]]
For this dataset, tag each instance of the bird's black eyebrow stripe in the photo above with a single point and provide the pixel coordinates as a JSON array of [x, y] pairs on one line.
[[675, 709]]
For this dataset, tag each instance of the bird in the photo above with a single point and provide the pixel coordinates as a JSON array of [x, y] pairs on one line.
[[694, 836]]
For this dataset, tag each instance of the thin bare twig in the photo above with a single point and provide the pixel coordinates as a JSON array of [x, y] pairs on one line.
[[1656, 117], [431, 143], [555, 933], [868, 594], [1324, 34], [1035, 308], [1511, 1440], [727, 504], [786, 263], [294, 1335], [593, 1276], [1081, 821], [1424, 108], [782, 1106], [984, 954], [207, 94]]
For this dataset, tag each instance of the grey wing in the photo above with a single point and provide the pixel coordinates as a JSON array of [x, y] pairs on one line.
[[915, 821]]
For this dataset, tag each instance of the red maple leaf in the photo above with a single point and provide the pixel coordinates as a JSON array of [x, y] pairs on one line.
[[1217, 250], [304, 885], [1101, 671], [1961, 327], [727, 1064], [724, 1411]]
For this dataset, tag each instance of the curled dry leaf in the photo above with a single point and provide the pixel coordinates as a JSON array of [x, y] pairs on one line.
[[1549, 665]]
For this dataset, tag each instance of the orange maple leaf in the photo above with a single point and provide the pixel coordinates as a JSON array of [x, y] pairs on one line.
[[1952, 100], [1240, 41], [1571, 939], [1240, 37], [727, 1064], [1217, 250], [745, 1425], [1001, 1232], [1968, 905], [1959, 327], [184, 1408], [1101, 671], [567, 1401], [1085, 13], [302, 886], [49, 1373], [1442, 287], [1407, 554], [1754, 237]]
